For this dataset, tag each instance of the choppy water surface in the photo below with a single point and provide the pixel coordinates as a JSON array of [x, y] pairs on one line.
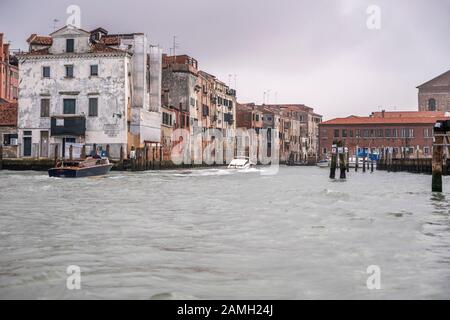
[[212, 233]]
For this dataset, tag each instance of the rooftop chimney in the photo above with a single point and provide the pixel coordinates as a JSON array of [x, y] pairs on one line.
[[382, 113]]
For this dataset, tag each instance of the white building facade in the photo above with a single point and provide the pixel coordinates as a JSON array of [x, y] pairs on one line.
[[80, 91]]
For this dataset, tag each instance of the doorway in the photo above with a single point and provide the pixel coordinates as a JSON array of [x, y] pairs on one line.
[[44, 144], [27, 146]]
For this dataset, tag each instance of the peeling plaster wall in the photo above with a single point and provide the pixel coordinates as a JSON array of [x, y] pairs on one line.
[[110, 87]]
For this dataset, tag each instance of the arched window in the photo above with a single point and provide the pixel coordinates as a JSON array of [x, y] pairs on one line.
[[432, 104]]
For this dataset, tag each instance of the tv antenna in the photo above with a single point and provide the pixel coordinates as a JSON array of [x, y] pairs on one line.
[[175, 46], [55, 21]]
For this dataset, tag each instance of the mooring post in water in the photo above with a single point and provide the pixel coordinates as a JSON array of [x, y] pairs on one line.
[[71, 152], [108, 151], [356, 159], [56, 153], [371, 165], [347, 160], [436, 165], [364, 163], [333, 161], [160, 156], [83, 152], [1, 156], [342, 164], [153, 157], [145, 157]]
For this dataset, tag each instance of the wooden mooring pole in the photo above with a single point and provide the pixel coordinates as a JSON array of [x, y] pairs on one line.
[[356, 159], [347, 160], [333, 161], [342, 164], [56, 154], [1, 157], [436, 166]]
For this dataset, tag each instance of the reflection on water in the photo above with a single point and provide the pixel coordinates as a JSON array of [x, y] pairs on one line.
[[215, 233]]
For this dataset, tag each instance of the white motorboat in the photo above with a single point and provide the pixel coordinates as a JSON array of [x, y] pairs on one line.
[[240, 163], [323, 163]]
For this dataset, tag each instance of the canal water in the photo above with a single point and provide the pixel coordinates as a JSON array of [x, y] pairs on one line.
[[213, 234]]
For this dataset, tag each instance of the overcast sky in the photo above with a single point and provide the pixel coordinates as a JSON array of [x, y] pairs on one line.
[[319, 52]]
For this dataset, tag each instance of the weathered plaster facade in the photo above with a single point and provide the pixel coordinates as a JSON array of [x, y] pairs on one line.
[[120, 87]]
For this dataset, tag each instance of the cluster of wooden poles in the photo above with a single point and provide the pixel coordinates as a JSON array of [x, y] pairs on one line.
[[340, 158]]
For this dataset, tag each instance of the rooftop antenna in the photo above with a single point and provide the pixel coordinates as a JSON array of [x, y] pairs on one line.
[[55, 21], [175, 46], [268, 96], [235, 86], [229, 80]]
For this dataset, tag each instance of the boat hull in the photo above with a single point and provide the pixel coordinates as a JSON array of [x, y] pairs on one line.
[[80, 172]]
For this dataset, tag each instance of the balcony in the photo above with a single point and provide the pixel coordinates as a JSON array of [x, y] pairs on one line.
[[68, 125]]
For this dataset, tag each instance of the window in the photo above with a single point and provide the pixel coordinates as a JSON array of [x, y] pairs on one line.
[[366, 133], [94, 70], [372, 133], [192, 100], [411, 133], [257, 117], [69, 106], [167, 119], [344, 133], [205, 110], [45, 108], [380, 133], [46, 72], [426, 150], [336, 133], [93, 107], [10, 139], [358, 133], [69, 71], [403, 133], [387, 133], [70, 45], [394, 133], [432, 104], [351, 133], [426, 133], [27, 133]]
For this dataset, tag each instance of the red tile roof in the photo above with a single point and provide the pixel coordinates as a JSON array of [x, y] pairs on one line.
[[101, 47], [8, 114], [389, 120], [111, 40], [40, 40], [414, 114]]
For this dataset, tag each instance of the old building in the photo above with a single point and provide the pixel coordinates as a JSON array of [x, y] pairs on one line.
[[434, 95], [296, 124], [198, 100], [88, 88], [9, 73], [406, 134], [8, 128], [179, 89]]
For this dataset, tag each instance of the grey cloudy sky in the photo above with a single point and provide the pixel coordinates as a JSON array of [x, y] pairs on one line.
[[320, 52]]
